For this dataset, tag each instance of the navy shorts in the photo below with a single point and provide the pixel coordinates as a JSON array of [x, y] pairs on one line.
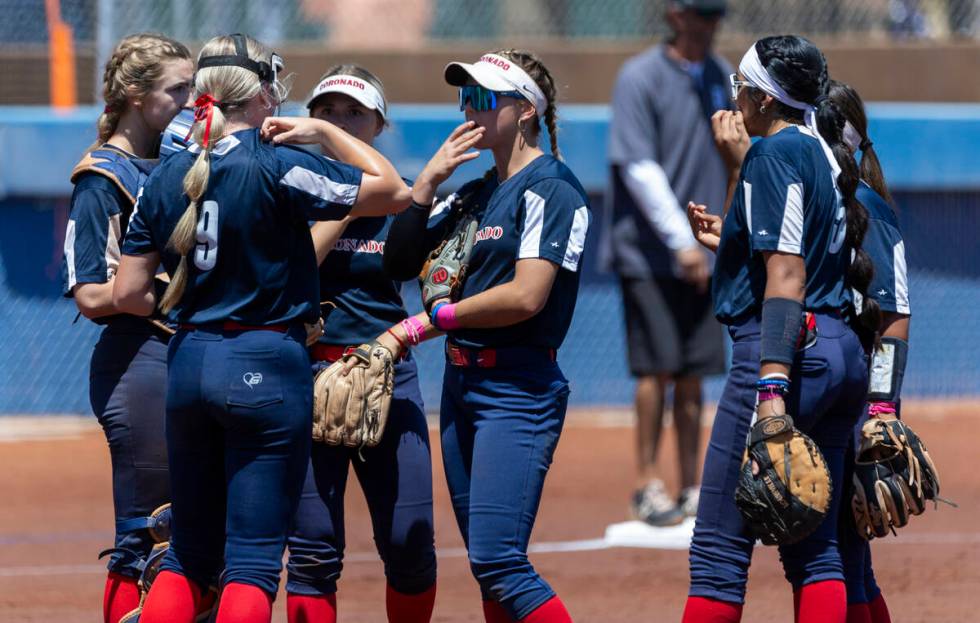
[[671, 328]]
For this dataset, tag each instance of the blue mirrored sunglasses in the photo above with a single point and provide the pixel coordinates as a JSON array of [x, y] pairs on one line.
[[482, 99]]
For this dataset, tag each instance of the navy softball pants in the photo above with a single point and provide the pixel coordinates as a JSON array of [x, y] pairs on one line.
[[127, 390], [500, 427], [396, 477], [855, 551], [239, 407], [829, 385]]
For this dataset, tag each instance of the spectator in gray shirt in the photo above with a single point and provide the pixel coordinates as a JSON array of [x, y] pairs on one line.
[[662, 155]]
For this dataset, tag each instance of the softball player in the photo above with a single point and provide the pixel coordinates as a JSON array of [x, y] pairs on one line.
[[889, 288], [241, 259], [504, 396], [396, 475], [785, 254], [147, 81]]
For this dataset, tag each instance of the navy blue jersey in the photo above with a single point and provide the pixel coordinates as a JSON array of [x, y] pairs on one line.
[[364, 301], [94, 231], [541, 212], [785, 201], [254, 261], [884, 244]]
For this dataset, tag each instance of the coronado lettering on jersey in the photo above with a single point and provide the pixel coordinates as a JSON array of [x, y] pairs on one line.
[[329, 82], [356, 245], [496, 61], [488, 232]]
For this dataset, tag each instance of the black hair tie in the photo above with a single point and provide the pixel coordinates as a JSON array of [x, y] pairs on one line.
[[820, 99], [865, 145]]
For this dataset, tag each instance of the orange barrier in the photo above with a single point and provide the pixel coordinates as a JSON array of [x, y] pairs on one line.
[[62, 58]]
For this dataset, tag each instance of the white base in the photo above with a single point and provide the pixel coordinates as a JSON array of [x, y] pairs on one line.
[[640, 534]]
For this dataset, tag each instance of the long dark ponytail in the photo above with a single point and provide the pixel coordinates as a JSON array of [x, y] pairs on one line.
[[849, 102], [801, 70]]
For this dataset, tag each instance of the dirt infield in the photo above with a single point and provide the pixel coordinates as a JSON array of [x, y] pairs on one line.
[[55, 515]]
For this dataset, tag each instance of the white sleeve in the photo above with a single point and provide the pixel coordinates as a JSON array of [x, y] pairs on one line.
[[648, 184]]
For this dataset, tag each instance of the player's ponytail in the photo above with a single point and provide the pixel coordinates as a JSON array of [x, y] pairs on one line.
[[223, 89], [535, 68], [801, 70], [849, 102], [131, 71]]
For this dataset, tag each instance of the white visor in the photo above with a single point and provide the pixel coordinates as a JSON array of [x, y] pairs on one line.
[[362, 91], [498, 74]]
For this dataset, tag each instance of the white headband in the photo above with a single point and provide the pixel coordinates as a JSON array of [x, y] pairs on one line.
[[498, 74], [755, 74], [851, 137], [364, 92]]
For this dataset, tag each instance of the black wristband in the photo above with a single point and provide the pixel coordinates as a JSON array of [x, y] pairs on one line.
[[781, 319], [420, 206]]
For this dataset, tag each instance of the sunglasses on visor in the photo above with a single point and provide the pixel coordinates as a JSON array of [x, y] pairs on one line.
[[482, 99]]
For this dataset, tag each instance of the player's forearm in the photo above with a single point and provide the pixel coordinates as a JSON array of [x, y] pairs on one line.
[[387, 188], [325, 235], [785, 284], [404, 252], [94, 300], [897, 325], [132, 290]]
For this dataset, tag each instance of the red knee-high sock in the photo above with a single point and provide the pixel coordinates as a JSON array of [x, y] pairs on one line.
[[121, 596], [879, 610], [244, 603], [821, 602], [551, 611], [173, 598], [858, 613], [495, 613], [706, 610], [311, 608], [403, 608]]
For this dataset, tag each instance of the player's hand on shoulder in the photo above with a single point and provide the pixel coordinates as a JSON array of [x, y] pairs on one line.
[[705, 227], [292, 130], [692, 267], [731, 138], [452, 153]]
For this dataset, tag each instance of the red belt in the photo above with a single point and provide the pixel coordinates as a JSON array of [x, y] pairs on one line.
[[335, 352], [483, 357], [329, 352], [231, 325]]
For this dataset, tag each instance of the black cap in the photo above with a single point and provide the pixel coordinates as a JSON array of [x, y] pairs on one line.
[[703, 7]]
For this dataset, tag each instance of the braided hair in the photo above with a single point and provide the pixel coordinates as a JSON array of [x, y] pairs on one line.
[[532, 64], [799, 67], [849, 102], [132, 69]]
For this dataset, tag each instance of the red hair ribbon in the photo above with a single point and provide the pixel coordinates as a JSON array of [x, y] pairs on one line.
[[108, 109], [203, 110]]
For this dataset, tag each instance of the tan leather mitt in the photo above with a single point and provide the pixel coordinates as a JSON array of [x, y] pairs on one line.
[[784, 487], [352, 409]]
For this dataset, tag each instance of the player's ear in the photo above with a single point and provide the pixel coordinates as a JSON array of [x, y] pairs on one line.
[[528, 112]]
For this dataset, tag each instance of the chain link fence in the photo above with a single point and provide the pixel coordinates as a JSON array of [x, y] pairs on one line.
[[406, 24]]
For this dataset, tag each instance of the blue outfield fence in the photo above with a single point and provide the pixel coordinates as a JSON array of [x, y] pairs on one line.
[[928, 153]]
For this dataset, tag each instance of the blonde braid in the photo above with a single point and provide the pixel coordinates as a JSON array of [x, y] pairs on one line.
[[231, 87], [535, 68]]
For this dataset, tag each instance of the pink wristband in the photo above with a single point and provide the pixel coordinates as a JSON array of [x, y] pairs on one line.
[[414, 330], [446, 317], [881, 408], [768, 395]]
